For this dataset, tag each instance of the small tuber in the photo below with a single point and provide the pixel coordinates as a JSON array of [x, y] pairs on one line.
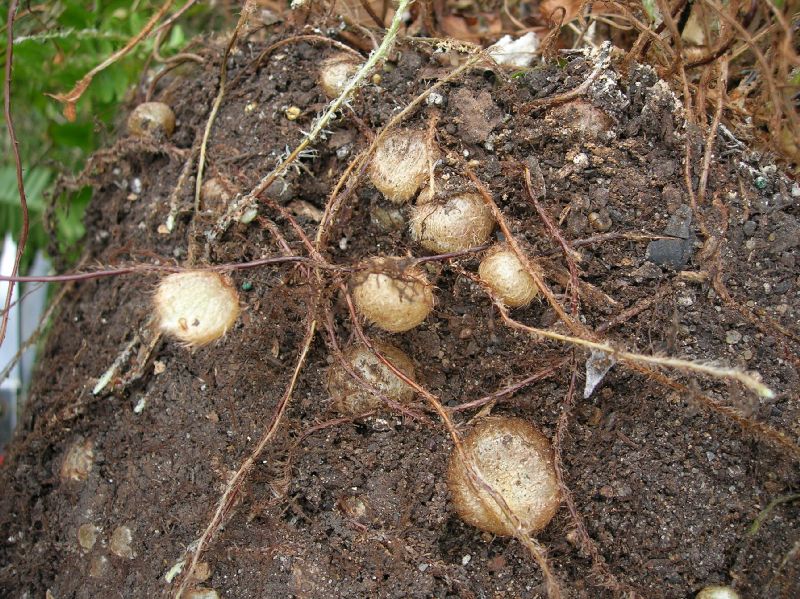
[[460, 222], [196, 306], [391, 296], [502, 271], [335, 72], [151, 119], [78, 461], [516, 460], [350, 395], [717, 592], [214, 197], [401, 164]]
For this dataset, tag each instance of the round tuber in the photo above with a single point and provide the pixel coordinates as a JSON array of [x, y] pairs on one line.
[[335, 72], [516, 460], [78, 461], [461, 222], [502, 271], [151, 119], [401, 164], [196, 306], [213, 196], [392, 297], [351, 397], [717, 592]]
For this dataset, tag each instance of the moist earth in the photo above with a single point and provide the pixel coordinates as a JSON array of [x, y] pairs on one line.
[[668, 488]]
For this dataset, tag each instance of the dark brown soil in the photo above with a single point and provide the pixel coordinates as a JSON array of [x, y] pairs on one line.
[[668, 489]]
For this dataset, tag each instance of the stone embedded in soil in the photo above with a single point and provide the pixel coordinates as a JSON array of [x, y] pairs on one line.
[[733, 337], [787, 235], [202, 572], [674, 253]]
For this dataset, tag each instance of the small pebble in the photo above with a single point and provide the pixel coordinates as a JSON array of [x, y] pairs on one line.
[[600, 221], [733, 337], [581, 160]]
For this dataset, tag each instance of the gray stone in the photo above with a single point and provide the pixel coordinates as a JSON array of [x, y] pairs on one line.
[[674, 253], [787, 236], [680, 223]]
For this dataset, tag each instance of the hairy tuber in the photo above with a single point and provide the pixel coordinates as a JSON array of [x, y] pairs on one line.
[[516, 460], [458, 223], [502, 271], [351, 397], [335, 72], [391, 296], [401, 164], [196, 306]]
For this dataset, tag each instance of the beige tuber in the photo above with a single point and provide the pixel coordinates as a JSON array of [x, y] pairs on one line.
[[401, 164], [516, 460], [503, 272], [196, 306], [151, 119], [391, 296], [351, 397], [460, 222], [335, 72], [717, 592]]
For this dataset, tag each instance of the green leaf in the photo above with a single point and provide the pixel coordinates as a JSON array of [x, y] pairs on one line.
[[36, 181], [651, 8]]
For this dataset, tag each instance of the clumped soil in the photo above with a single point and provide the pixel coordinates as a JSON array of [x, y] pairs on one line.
[[668, 489]]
